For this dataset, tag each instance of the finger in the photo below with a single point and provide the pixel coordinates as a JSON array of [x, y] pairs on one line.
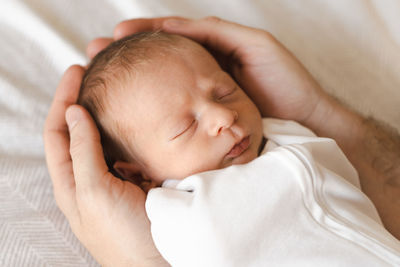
[[132, 26], [88, 162], [56, 140], [96, 45], [224, 36]]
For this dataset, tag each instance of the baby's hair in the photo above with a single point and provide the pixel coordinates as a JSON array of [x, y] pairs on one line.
[[106, 73]]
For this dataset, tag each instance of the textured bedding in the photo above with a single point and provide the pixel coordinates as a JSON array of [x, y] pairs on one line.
[[351, 48]]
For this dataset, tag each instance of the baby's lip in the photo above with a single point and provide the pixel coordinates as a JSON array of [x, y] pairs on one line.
[[239, 147]]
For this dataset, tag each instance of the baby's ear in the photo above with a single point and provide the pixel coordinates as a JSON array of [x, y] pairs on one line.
[[133, 173], [128, 170]]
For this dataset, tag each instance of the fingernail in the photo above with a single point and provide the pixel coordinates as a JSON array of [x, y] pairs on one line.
[[172, 23], [72, 116]]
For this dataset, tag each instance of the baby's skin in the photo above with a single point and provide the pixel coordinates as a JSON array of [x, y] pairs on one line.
[[183, 115]]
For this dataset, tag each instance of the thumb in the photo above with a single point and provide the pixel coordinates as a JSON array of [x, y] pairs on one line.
[[88, 162]]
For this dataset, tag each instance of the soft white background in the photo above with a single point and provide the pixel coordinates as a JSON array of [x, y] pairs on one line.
[[352, 47]]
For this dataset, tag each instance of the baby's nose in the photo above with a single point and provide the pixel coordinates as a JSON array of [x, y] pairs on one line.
[[221, 118]]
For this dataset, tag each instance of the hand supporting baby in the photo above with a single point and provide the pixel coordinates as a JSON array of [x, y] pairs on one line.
[[107, 214]]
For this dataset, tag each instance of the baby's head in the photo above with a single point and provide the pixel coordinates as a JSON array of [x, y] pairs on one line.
[[166, 110]]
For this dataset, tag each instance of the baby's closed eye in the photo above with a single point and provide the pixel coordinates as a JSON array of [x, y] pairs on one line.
[[189, 126], [220, 93]]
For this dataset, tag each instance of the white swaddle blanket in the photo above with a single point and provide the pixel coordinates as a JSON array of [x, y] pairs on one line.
[[298, 204]]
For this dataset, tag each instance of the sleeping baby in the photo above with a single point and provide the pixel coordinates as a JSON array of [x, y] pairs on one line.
[[166, 109], [225, 187]]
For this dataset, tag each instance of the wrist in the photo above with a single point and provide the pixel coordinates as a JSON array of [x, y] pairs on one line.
[[334, 120]]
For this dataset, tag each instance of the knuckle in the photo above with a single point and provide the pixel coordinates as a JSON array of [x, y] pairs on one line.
[[213, 19], [268, 36], [265, 37]]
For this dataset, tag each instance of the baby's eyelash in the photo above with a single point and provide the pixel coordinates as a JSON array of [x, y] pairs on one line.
[[191, 125], [186, 129], [226, 94]]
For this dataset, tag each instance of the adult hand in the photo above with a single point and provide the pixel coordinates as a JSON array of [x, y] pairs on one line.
[[106, 214]]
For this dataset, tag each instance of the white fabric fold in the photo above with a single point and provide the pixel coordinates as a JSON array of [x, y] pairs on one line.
[[298, 204]]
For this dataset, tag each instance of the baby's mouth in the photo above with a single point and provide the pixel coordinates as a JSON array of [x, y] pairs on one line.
[[239, 148]]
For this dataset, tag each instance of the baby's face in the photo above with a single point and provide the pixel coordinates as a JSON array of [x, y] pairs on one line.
[[183, 115]]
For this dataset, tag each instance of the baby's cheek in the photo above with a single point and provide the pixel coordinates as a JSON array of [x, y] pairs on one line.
[[199, 161]]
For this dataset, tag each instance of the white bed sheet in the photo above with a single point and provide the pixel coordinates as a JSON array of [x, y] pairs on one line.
[[351, 47]]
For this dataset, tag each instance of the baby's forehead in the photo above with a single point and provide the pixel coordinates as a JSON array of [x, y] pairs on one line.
[[183, 66]]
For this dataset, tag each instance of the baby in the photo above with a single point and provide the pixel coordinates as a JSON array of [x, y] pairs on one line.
[[166, 109]]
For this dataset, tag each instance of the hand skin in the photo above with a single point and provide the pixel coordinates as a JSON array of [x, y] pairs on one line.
[[108, 215], [281, 87]]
